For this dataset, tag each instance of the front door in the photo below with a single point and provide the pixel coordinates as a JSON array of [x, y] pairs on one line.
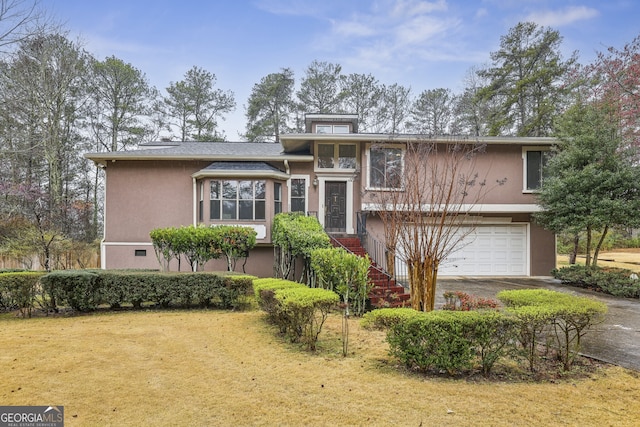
[[335, 202]]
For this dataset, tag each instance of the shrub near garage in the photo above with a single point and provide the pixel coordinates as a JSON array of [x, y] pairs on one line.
[[561, 318], [618, 282], [451, 341]]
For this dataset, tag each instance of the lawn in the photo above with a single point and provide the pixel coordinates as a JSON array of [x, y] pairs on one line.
[[203, 368], [620, 258]]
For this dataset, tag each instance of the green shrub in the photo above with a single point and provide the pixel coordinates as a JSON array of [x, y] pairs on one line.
[[436, 340], [303, 312], [492, 334], [618, 282], [233, 289], [385, 318], [553, 317], [80, 290], [19, 290], [450, 341]]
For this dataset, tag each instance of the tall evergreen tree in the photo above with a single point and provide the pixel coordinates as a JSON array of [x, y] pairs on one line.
[[320, 88], [195, 106], [431, 112], [270, 106], [526, 80]]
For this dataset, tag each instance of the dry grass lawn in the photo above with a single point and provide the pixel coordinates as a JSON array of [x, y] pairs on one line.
[[205, 368], [621, 258]]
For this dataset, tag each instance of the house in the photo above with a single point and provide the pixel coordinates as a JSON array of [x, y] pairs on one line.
[[325, 171]]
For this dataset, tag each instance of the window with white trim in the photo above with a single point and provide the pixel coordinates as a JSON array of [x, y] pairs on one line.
[[386, 165], [535, 160], [337, 156], [234, 200], [298, 195]]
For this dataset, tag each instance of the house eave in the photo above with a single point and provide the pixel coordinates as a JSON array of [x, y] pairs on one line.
[[301, 141], [240, 174], [104, 158], [503, 208]]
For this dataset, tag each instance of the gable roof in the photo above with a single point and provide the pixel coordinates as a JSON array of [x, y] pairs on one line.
[[240, 169]]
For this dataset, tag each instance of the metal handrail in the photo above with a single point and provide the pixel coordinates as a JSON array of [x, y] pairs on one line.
[[378, 253]]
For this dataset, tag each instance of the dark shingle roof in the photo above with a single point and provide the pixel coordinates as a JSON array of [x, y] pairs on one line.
[[201, 151]]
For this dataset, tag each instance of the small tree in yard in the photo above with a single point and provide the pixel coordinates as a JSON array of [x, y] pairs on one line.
[[425, 207], [593, 182], [234, 242]]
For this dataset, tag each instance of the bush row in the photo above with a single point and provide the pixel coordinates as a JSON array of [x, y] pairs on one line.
[[618, 282], [454, 341], [298, 311], [86, 290]]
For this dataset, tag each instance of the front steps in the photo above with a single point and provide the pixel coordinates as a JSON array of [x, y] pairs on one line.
[[386, 292]]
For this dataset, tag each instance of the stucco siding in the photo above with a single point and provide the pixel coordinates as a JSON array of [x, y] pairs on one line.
[[141, 196]]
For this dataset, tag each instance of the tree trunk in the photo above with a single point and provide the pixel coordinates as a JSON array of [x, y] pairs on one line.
[[587, 261], [574, 253], [596, 252], [423, 274]]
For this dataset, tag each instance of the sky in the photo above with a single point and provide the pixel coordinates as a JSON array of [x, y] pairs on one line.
[[419, 44]]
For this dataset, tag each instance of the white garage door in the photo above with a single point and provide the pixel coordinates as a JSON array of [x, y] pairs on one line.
[[490, 250]]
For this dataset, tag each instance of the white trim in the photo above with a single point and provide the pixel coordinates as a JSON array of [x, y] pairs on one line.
[[336, 155], [195, 202], [307, 179], [525, 150], [465, 208], [367, 157], [127, 244], [321, 206]]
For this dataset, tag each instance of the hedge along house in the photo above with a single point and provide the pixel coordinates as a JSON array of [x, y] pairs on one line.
[[330, 171]]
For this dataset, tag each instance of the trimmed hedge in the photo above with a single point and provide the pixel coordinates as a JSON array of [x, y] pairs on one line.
[[86, 290], [546, 316], [298, 311], [454, 341], [19, 290], [451, 341]]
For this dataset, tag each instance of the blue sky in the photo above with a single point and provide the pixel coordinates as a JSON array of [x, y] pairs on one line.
[[421, 44]]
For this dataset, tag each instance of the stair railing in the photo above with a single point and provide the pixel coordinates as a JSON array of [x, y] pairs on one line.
[[378, 252]]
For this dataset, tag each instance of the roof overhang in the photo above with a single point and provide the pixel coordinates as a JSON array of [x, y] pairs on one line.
[[301, 141]]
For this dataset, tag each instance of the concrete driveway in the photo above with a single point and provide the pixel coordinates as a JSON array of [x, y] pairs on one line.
[[616, 340]]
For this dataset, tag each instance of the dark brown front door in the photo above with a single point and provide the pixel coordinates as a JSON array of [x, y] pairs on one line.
[[335, 202]]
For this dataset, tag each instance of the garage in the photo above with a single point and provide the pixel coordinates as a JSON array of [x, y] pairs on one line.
[[489, 250]]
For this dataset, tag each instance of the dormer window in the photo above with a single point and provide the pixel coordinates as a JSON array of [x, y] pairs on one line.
[[332, 128]]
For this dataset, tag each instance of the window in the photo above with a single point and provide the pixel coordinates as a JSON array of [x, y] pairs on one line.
[[237, 200], [277, 197], [337, 156], [201, 203], [385, 167], [298, 194], [140, 252], [332, 128], [535, 162]]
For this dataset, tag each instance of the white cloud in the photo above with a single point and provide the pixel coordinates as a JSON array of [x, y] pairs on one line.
[[558, 18]]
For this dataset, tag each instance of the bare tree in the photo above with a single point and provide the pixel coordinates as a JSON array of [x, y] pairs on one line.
[[427, 212], [19, 20]]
